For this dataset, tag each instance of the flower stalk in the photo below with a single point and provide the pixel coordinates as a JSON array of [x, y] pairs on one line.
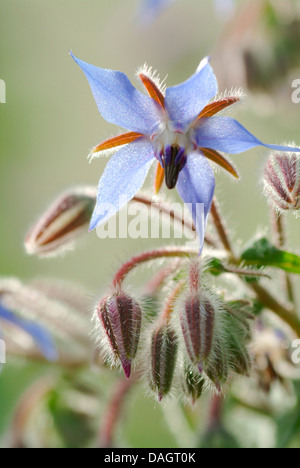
[[169, 252], [221, 226], [278, 226], [113, 413]]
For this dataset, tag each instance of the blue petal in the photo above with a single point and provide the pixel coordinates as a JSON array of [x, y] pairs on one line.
[[185, 101], [39, 334], [228, 135], [123, 176], [196, 185], [118, 101]]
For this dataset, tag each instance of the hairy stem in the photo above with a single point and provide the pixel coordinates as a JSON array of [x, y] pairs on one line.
[[168, 252], [113, 413], [170, 304], [29, 401], [216, 411], [165, 208], [157, 282], [220, 226], [279, 235], [287, 314]]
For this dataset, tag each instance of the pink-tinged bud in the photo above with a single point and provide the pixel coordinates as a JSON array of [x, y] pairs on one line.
[[164, 346], [121, 317], [197, 318], [282, 181], [66, 219]]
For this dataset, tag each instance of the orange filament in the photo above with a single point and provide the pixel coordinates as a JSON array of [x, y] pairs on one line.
[[217, 106], [220, 160], [152, 89], [159, 178], [117, 141]]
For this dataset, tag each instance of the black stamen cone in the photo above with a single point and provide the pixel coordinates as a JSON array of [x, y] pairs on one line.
[[172, 169]]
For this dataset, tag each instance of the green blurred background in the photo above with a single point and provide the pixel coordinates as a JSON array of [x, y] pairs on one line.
[[50, 122]]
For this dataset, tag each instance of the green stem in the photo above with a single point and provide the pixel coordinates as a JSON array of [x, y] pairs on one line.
[[287, 314], [278, 227]]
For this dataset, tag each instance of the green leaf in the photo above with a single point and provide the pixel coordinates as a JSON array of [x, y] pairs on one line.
[[263, 253], [216, 267]]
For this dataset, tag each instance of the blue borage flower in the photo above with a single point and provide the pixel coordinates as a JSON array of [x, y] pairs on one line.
[[178, 129], [41, 337]]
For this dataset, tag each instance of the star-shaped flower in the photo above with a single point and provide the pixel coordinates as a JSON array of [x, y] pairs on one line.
[[179, 129]]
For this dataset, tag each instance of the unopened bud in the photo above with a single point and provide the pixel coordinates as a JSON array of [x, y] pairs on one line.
[[218, 368], [121, 317], [66, 219], [192, 383], [282, 181], [197, 318], [164, 346]]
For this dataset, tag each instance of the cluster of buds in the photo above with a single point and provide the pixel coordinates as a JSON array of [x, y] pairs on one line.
[[198, 347], [215, 337], [282, 181]]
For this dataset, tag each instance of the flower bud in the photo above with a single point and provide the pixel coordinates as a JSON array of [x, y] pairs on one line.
[[218, 369], [121, 317], [197, 318], [62, 223], [282, 181], [192, 383], [164, 346]]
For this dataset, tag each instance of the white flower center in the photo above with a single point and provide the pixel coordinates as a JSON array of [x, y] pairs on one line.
[[172, 144], [168, 135]]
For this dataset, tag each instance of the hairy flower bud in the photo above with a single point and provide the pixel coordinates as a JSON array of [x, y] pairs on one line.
[[197, 318], [62, 223], [218, 369], [121, 317], [282, 181], [164, 346], [192, 383]]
